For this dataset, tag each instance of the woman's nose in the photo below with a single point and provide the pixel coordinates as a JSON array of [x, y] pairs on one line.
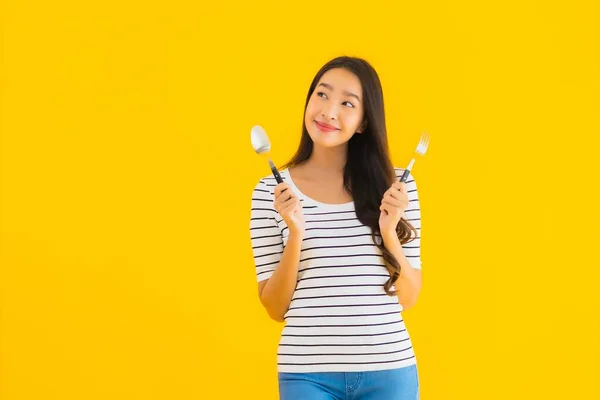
[[329, 112]]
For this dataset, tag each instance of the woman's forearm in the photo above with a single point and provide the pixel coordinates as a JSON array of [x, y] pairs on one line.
[[408, 284], [277, 293]]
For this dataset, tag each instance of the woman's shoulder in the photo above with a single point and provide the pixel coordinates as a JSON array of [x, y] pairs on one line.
[[265, 182], [399, 171], [268, 182]]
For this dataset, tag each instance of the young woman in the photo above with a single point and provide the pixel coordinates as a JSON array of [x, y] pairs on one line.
[[337, 248]]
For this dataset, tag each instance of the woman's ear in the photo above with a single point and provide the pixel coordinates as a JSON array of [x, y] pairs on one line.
[[362, 127]]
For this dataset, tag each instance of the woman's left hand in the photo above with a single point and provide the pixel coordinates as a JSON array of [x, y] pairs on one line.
[[393, 205]]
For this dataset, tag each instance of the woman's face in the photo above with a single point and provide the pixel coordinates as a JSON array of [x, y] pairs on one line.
[[334, 112]]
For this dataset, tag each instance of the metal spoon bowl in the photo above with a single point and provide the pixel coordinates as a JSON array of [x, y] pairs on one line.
[[262, 145]]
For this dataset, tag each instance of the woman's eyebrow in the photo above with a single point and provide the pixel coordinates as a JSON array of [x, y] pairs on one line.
[[328, 86]]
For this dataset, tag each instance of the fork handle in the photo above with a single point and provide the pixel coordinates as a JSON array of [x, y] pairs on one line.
[[404, 177]]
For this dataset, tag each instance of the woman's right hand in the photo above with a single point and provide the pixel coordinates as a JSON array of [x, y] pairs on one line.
[[289, 206]]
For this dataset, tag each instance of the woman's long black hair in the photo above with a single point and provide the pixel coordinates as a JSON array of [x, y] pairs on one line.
[[368, 172]]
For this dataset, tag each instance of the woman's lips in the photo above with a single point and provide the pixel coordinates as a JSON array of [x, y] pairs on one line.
[[325, 127]]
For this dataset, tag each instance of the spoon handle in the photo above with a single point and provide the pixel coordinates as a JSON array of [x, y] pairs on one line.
[[275, 172]]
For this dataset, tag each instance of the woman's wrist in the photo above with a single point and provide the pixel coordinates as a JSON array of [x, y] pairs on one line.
[[389, 236]]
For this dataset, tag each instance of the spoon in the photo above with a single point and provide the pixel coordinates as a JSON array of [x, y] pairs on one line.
[[262, 146]]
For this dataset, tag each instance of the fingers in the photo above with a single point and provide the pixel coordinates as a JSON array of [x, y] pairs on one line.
[[388, 199], [391, 210], [383, 209], [280, 188], [283, 192], [395, 199], [400, 187], [289, 207], [281, 204], [394, 195], [284, 196], [290, 212]]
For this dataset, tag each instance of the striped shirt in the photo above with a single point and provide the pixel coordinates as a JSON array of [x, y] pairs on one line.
[[340, 318]]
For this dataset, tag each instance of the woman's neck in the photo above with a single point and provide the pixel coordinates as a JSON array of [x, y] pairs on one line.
[[328, 161]]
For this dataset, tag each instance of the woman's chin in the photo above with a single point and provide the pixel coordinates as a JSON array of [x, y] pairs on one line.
[[324, 139]]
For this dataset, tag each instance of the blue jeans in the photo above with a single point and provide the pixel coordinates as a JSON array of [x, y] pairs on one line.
[[392, 384]]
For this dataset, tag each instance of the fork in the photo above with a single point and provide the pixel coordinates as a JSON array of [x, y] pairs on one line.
[[421, 149]]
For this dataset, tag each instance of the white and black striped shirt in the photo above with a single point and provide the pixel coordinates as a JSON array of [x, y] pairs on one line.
[[340, 318]]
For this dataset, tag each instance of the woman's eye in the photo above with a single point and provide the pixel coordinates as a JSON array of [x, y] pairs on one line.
[[324, 96]]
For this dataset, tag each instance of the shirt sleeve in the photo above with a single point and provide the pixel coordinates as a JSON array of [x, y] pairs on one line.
[[265, 234], [412, 249]]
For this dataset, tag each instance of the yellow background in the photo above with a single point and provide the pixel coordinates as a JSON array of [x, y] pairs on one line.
[[127, 170]]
